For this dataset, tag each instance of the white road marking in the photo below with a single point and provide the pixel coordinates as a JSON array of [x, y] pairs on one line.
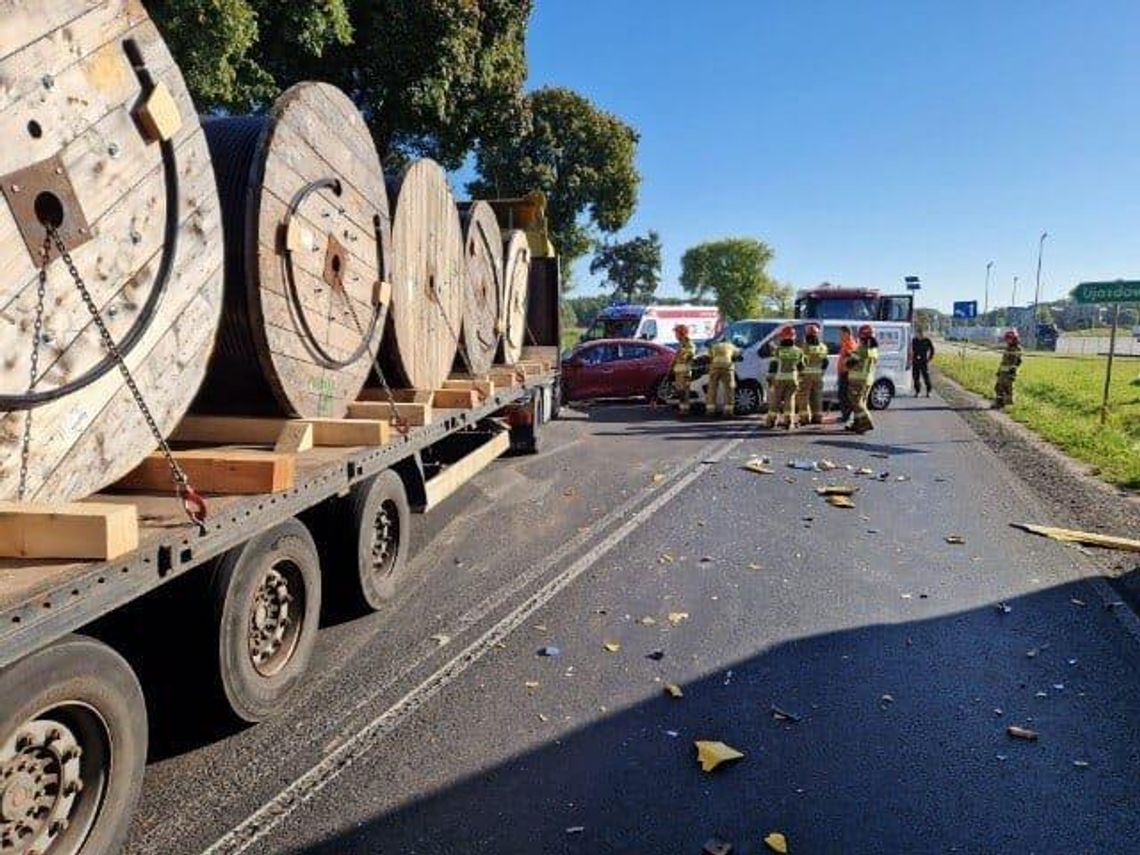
[[263, 821]]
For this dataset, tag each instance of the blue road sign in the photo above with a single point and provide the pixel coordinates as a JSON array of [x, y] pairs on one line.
[[966, 309], [912, 283]]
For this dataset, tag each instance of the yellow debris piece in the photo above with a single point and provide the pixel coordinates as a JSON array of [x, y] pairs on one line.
[[673, 690], [840, 502], [612, 646], [677, 617], [712, 754], [758, 467], [777, 843]]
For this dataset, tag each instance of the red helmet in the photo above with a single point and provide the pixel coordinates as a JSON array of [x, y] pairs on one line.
[[812, 330], [787, 333], [866, 331], [1012, 337], [681, 330]]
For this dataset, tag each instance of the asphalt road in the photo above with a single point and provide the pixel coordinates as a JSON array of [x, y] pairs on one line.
[[885, 643]]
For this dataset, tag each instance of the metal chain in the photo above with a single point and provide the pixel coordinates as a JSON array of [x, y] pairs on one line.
[[398, 421], [34, 370], [192, 502]]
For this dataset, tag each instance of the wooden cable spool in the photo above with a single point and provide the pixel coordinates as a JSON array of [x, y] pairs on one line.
[[104, 144], [307, 242], [516, 251], [427, 278], [483, 286]]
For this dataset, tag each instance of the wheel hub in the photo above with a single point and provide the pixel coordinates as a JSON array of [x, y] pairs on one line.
[[269, 623], [39, 784], [382, 542]]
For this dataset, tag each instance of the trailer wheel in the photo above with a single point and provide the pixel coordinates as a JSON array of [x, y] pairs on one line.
[[267, 602], [73, 736], [381, 521]]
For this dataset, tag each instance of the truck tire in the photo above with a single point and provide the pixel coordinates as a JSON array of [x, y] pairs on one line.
[[370, 557], [72, 713], [267, 603]]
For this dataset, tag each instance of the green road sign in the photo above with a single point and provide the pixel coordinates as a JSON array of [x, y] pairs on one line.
[[1107, 292]]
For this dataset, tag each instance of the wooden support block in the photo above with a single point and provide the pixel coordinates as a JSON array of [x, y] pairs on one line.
[[486, 388], [542, 354], [229, 430], [159, 116], [411, 396], [345, 433], [456, 399], [93, 531], [218, 470], [456, 475], [417, 415], [531, 369], [504, 378], [294, 438]]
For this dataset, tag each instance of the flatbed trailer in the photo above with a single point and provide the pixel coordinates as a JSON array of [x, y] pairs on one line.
[[73, 721]]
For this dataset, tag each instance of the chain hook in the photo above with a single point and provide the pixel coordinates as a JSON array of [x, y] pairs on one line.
[[193, 504]]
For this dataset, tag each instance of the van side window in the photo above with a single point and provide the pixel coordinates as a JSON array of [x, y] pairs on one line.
[[831, 339], [648, 331]]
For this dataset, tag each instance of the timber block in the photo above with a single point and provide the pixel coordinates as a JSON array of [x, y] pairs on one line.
[[484, 387], [401, 396], [504, 378], [218, 470], [91, 531], [286, 435], [544, 355], [456, 399], [346, 433], [416, 415], [531, 368]]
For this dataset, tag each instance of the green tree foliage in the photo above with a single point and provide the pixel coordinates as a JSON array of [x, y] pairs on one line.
[[632, 267], [734, 272], [585, 309], [432, 77], [581, 157]]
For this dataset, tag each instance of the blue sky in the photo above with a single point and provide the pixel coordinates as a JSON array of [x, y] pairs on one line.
[[867, 141]]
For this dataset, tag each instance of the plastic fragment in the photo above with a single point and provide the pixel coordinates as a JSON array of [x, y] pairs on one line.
[[955, 539], [441, 639], [549, 650], [885, 701], [804, 465], [777, 842], [757, 465], [711, 754], [864, 470], [716, 846], [543, 718], [1004, 608], [1031, 652], [672, 734], [1081, 764], [673, 690], [647, 621], [1021, 733], [531, 684], [611, 646], [1077, 602], [784, 715], [576, 829]]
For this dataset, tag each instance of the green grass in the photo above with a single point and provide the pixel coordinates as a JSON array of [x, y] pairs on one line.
[[570, 336], [1058, 397]]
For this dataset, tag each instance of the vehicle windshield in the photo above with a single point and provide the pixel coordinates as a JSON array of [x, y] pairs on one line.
[[745, 333], [611, 328], [838, 308]]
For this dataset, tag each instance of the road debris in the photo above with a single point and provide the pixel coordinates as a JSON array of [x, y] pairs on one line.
[[754, 566], [955, 539], [655, 655], [826, 466], [837, 490], [676, 617], [777, 842], [1022, 733], [543, 718], [1088, 538], [706, 559], [1031, 653], [1077, 602], [784, 715], [885, 701], [576, 829], [611, 646], [666, 558], [864, 470], [1003, 608], [711, 754], [757, 465], [550, 650], [441, 639], [840, 502], [672, 734], [716, 846], [804, 465], [530, 685], [647, 621], [673, 690], [1081, 764], [658, 477]]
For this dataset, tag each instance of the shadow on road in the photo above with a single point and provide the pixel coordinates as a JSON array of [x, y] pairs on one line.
[[900, 746]]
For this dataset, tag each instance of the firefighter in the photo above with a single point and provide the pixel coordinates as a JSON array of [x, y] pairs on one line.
[[784, 380], [1007, 370], [683, 367], [810, 403], [860, 377], [722, 377]]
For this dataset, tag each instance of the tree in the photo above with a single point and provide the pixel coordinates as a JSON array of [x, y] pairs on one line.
[[632, 267], [581, 157], [733, 270], [432, 77]]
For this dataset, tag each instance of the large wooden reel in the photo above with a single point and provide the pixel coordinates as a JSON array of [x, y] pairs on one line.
[[483, 285], [427, 279], [307, 242], [516, 251], [101, 138]]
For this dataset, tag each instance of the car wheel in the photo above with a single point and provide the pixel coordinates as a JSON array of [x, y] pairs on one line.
[[664, 390], [881, 395], [748, 398]]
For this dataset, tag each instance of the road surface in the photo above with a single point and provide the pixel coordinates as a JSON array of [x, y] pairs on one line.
[[901, 659]]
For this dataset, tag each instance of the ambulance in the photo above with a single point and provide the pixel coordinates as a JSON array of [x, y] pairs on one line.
[[654, 323]]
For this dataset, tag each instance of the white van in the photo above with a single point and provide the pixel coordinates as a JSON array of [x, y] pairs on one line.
[[654, 323], [757, 341]]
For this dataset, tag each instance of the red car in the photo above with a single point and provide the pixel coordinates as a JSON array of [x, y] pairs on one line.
[[617, 368]]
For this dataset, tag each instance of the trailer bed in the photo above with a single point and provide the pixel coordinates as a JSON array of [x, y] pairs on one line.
[[44, 600]]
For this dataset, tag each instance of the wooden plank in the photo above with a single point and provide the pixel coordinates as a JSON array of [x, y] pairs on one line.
[[294, 438], [1086, 538], [345, 433], [416, 415], [411, 396], [458, 474], [78, 530], [486, 388], [504, 379], [323, 432], [456, 399], [218, 470]]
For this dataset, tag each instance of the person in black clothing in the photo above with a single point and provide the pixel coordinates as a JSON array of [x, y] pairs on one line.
[[921, 352]]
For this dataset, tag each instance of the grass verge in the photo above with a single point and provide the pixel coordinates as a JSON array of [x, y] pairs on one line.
[[1058, 397]]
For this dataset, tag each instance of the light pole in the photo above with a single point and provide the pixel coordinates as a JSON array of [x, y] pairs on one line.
[[986, 309], [1037, 290], [1013, 299]]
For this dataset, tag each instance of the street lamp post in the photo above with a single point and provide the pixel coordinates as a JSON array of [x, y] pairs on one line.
[[1013, 299], [1037, 290], [986, 304]]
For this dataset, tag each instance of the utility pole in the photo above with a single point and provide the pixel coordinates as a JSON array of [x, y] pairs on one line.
[[986, 308], [1037, 290], [1013, 299]]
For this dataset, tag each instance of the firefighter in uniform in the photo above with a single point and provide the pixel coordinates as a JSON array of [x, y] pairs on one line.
[[722, 377], [860, 377], [810, 403], [784, 380], [1007, 370], [683, 367]]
